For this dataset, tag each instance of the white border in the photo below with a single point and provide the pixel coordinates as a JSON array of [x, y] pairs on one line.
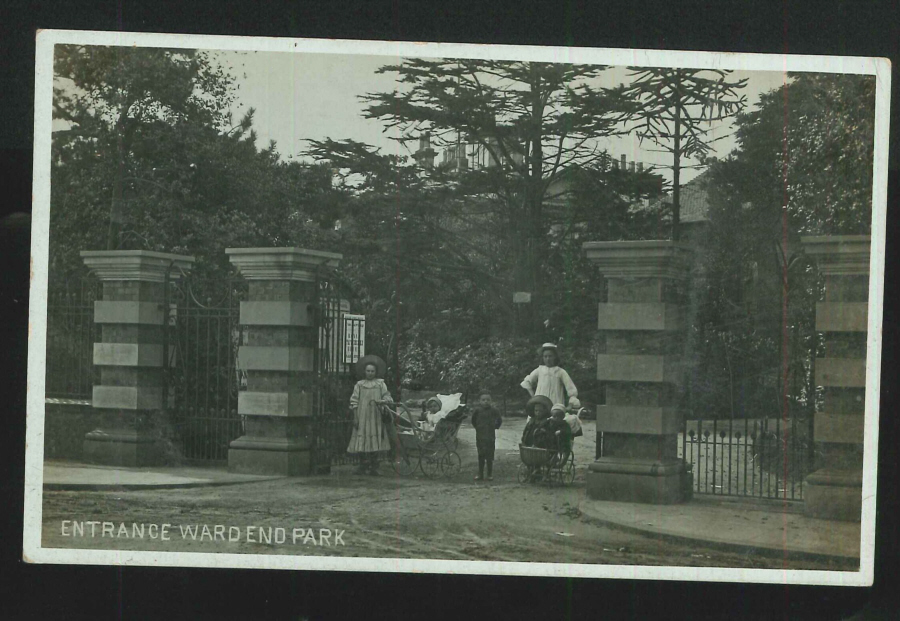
[[46, 39]]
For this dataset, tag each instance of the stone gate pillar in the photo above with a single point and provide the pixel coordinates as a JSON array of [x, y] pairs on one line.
[[132, 319], [834, 489], [278, 356], [643, 326]]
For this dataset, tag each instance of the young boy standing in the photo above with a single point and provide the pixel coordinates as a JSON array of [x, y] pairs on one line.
[[486, 420]]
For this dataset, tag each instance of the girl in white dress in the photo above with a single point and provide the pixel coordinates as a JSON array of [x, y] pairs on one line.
[[549, 379]]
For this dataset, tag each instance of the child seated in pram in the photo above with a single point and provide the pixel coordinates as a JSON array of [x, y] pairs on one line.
[[537, 411], [447, 424], [560, 435]]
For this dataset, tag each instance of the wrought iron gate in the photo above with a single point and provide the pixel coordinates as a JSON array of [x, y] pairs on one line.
[[333, 373], [202, 337]]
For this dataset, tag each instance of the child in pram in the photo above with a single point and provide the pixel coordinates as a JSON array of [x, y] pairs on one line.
[[550, 431]]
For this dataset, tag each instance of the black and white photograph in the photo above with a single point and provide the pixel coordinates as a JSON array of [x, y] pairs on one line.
[[445, 308]]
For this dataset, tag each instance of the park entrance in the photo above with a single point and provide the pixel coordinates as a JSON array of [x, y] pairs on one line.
[[203, 336]]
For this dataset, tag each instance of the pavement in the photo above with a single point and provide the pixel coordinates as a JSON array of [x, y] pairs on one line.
[[72, 476], [770, 528]]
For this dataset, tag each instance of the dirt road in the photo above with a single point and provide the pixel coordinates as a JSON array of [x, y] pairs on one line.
[[386, 516]]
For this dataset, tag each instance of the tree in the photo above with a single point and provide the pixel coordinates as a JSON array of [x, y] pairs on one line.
[[675, 108], [803, 166], [534, 126], [114, 91], [153, 159]]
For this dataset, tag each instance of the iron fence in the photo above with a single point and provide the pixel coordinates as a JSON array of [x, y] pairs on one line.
[[762, 458], [71, 333]]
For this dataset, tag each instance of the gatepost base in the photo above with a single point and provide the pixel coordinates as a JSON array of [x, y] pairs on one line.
[[636, 480], [129, 449], [834, 495], [272, 456]]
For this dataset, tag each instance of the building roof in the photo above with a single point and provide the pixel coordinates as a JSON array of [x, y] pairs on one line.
[[694, 200]]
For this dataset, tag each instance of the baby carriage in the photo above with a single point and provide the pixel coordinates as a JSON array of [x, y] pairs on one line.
[[545, 465], [414, 448]]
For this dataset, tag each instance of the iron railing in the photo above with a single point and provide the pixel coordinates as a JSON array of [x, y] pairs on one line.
[[71, 333], [762, 458]]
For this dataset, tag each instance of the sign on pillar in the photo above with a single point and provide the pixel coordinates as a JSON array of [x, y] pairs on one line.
[[642, 325], [278, 357]]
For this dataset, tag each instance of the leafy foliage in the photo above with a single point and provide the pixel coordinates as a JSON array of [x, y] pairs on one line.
[[444, 247], [803, 166], [151, 158]]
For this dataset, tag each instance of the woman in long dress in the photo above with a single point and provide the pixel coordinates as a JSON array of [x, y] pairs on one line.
[[549, 379], [369, 437]]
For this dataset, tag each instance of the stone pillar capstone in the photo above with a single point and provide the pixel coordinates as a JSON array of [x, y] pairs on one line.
[[643, 326], [279, 358], [834, 489], [132, 318]]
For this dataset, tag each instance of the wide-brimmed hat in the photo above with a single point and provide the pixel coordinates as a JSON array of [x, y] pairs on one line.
[[362, 363], [529, 407], [550, 346]]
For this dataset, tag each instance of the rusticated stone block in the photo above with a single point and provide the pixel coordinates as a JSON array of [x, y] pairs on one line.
[[834, 495], [631, 480]]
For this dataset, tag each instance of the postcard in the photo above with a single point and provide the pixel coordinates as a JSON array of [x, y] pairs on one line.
[[440, 308]]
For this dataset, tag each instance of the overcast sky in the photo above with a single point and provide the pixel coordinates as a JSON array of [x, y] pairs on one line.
[[314, 96]]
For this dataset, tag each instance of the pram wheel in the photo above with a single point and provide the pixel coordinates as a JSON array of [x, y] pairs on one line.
[[450, 464], [404, 462], [568, 472], [523, 473], [431, 463]]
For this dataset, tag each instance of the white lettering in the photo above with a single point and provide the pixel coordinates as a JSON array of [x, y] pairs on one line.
[[153, 530], [310, 536], [250, 538], [78, 529], [219, 531], [325, 537], [93, 525], [264, 535], [206, 533], [280, 535], [65, 533], [236, 532], [108, 528], [165, 532], [296, 534], [338, 536], [135, 533], [122, 532], [188, 530]]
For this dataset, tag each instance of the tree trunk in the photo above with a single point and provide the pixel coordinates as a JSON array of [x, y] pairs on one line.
[[676, 168]]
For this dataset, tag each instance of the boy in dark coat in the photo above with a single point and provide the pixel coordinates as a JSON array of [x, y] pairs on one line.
[[486, 420]]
